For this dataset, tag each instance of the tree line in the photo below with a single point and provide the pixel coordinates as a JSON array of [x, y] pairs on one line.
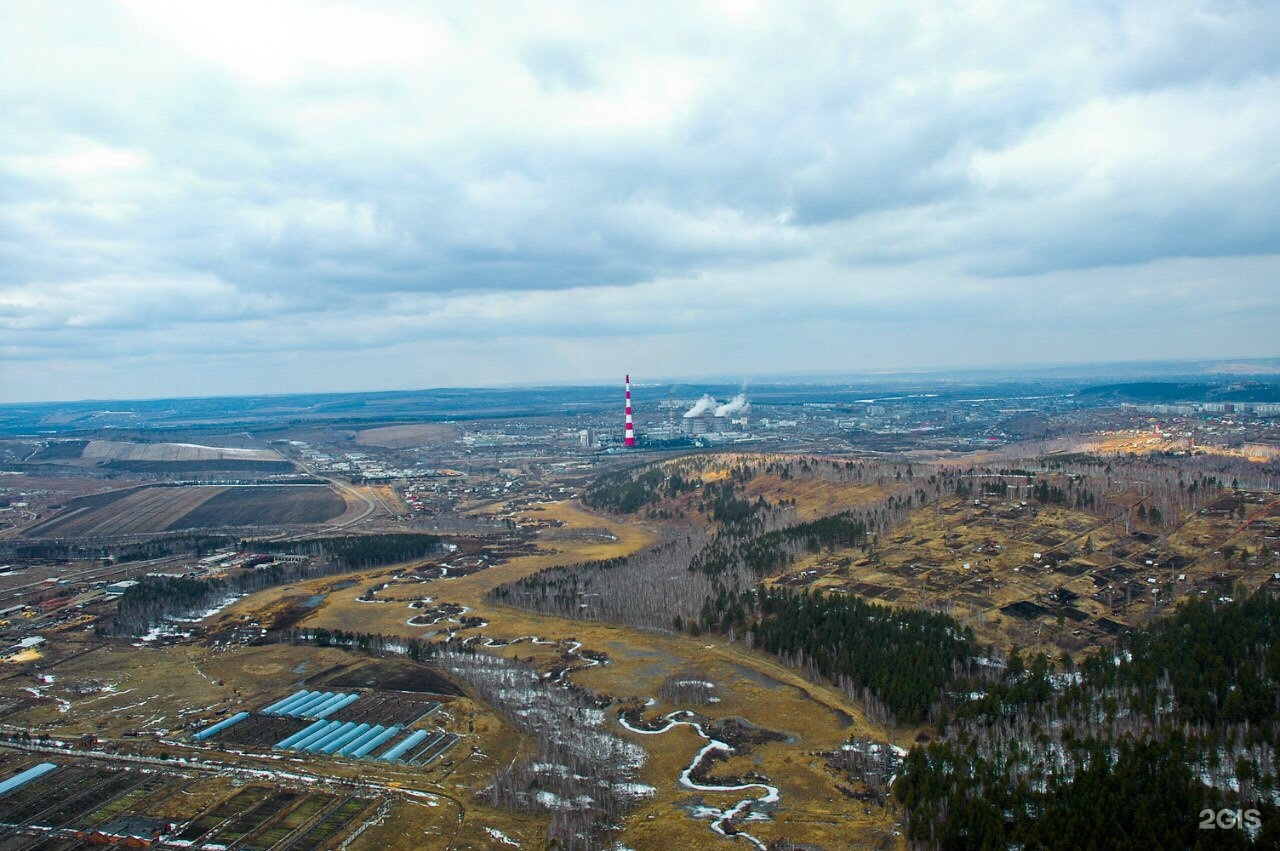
[[168, 545], [156, 600], [359, 551]]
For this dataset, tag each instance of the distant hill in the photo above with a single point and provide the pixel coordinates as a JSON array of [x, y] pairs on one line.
[[1173, 391]]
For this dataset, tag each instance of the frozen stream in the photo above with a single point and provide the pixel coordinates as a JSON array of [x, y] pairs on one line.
[[673, 719], [720, 817]]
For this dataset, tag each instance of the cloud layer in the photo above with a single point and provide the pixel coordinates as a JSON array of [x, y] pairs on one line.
[[277, 196]]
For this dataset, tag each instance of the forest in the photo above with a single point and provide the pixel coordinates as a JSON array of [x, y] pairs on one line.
[[358, 551], [156, 599], [1130, 746], [905, 658], [627, 491]]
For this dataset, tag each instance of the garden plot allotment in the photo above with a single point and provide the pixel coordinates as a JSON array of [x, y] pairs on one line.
[[352, 724]]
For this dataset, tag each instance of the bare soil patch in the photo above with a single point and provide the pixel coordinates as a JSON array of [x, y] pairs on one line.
[[152, 510], [266, 505]]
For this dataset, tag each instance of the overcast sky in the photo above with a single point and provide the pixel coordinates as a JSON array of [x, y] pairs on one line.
[[268, 196]]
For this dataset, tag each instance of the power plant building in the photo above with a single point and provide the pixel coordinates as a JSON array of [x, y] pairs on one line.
[[710, 417]]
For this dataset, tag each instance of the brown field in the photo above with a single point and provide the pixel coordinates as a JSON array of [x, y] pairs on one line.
[[134, 512], [152, 510], [265, 505], [405, 436], [38, 488], [45, 496], [389, 498]]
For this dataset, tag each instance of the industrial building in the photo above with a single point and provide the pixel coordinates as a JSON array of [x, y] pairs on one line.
[[707, 416]]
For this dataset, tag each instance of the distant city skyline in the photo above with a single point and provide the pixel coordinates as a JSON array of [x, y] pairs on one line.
[[281, 197]]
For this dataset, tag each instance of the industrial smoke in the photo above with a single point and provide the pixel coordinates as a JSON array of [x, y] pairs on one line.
[[737, 405], [700, 407]]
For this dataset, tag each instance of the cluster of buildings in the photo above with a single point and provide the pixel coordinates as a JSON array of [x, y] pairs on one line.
[[360, 466], [1187, 409]]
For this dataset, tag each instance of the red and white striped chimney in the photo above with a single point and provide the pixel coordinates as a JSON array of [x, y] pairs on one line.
[[630, 439]]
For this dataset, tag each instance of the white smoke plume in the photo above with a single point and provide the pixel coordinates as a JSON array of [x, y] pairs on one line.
[[700, 407], [737, 405]]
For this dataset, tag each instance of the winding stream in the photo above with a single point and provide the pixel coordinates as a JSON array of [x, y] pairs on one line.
[[720, 817]]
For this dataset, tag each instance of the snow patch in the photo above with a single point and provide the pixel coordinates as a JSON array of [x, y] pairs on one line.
[[501, 837]]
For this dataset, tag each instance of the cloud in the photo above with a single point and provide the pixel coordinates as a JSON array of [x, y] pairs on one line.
[[285, 179]]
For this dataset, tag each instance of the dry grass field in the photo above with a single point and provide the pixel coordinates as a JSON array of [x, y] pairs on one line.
[[813, 498], [406, 436], [389, 498], [1151, 441]]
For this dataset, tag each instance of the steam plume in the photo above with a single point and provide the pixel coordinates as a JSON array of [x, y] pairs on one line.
[[737, 405], [700, 407]]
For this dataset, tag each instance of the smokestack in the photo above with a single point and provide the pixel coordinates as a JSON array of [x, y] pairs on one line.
[[630, 438]]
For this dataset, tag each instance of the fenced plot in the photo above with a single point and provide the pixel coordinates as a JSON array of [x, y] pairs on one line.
[[87, 804], [78, 798], [332, 826], [245, 800], [49, 802], [248, 821], [432, 747], [134, 801], [310, 810], [388, 709], [259, 731]]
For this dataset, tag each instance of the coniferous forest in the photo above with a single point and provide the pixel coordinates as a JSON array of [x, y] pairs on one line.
[[1135, 748], [906, 658]]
